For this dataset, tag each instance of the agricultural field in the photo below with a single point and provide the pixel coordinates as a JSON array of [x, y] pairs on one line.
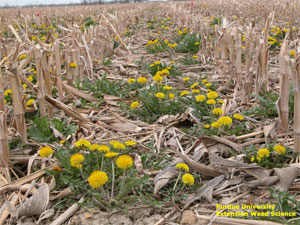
[[151, 113]]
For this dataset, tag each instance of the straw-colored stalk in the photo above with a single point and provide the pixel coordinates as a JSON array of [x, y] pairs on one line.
[[47, 77], [18, 104], [4, 149], [283, 101], [116, 33], [249, 74], [25, 62], [70, 70], [238, 58], [40, 80], [75, 53], [264, 56], [58, 71], [258, 79], [297, 103], [217, 45]]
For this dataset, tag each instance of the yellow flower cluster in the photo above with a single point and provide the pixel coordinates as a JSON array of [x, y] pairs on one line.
[[131, 80], [124, 162], [7, 92], [45, 151], [160, 95], [142, 80], [82, 143], [263, 152], [134, 105], [76, 160], [183, 166], [279, 149], [97, 179], [188, 179]]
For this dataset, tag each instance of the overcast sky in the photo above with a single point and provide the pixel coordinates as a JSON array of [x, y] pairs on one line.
[[26, 2]]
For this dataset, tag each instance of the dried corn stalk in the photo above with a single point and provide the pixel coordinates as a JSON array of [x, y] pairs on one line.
[[40, 80], [249, 74], [4, 149], [18, 104], [264, 56], [283, 101], [297, 103], [58, 71]]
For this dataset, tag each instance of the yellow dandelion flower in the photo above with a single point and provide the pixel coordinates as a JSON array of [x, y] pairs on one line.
[[200, 98], [206, 126], [238, 117], [172, 62], [225, 121], [195, 91], [183, 93], [93, 147], [76, 160], [220, 101], [119, 145], [204, 81], [194, 85], [208, 84], [165, 72], [216, 125], [97, 179], [73, 65], [171, 95], [160, 95], [188, 179], [142, 80], [30, 102], [217, 111], [134, 105], [82, 143], [124, 162], [186, 78], [157, 78], [211, 102], [263, 152], [212, 95], [258, 158], [30, 78], [196, 43], [62, 142], [131, 80], [23, 56], [24, 86], [280, 149], [45, 151], [103, 148], [195, 57], [130, 143], [7, 92], [183, 166], [111, 154], [252, 159], [112, 142], [292, 53], [157, 62], [167, 88]]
